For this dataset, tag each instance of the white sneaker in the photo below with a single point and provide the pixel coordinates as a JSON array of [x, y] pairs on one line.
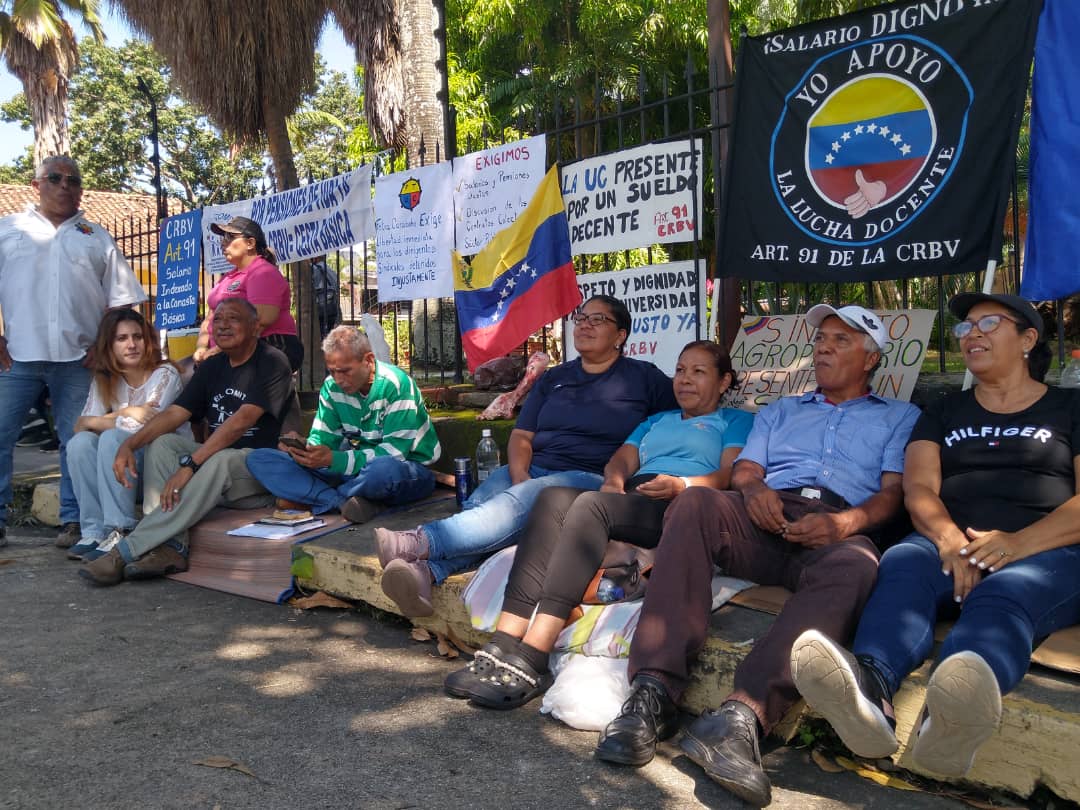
[[963, 710], [828, 676]]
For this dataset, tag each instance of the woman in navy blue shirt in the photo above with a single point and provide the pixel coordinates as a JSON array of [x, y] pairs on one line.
[[576, 416]]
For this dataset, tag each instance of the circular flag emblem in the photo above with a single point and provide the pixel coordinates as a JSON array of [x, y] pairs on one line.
[[409, 196], [868, 138]]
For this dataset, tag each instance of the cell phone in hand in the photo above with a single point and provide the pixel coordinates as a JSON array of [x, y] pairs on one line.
[[292, 441]]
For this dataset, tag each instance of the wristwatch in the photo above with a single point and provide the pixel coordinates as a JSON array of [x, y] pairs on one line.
[[187, 461]]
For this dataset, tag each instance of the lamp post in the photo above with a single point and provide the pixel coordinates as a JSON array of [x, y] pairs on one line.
[[144, 88]]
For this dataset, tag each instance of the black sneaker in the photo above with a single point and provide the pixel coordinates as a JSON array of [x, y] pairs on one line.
[[35, 433], [724, 742], [845, 692], [647, 717]]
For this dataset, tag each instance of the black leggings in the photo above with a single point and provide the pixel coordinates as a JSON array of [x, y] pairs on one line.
[[564, 543], [291, 346]]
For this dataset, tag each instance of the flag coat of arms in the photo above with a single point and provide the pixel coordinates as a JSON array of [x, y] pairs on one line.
[[523, 279], [878, 144]]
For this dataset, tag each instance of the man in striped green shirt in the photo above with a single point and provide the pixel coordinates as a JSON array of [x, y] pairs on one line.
[[370, 443]]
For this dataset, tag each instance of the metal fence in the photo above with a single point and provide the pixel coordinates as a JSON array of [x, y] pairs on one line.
[[423, 335]]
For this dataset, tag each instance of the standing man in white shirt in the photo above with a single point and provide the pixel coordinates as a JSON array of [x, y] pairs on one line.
[[59, 272]]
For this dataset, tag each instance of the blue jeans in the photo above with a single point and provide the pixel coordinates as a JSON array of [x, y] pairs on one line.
[[104, 504], [385, 479], [493, 517], [999, 620], [69, 384]]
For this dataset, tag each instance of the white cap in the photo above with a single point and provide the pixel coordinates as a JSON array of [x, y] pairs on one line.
[[854, 316], [485, 432]]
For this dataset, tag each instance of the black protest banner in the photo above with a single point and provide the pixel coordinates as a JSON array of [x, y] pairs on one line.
[[878, 144]]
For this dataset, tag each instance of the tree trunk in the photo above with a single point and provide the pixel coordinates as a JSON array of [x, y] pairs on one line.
[[281, 153], [44, 76], [423, 112]]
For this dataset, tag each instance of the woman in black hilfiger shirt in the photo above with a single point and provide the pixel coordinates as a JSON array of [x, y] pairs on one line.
[[990, 481]]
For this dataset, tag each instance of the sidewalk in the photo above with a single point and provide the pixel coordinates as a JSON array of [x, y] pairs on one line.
[[108, 698]]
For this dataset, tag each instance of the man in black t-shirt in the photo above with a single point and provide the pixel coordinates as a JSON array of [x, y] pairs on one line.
[[243, 394]]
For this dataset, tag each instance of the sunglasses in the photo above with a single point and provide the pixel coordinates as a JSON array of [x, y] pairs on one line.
[[226, 238], [986, 325], [55, 178], [595, 319]]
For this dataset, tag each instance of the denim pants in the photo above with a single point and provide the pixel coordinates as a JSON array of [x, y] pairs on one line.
[[493, 517], [69, 384], [1000, 619], [104, 503], [385, 479]]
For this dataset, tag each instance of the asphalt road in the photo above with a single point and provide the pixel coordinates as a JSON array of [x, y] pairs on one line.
[[109, 698]]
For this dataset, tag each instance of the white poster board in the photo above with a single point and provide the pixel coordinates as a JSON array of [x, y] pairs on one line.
[[664, 302], [414, 233], [774, 357], [302, 222], [492, 187], [634, 198]]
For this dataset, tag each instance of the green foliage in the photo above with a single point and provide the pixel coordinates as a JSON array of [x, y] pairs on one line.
[[110, 131], [522, 51], [328, 132]]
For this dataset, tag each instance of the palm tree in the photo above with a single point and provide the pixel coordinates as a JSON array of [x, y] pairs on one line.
[[249, 63], [39, 47]]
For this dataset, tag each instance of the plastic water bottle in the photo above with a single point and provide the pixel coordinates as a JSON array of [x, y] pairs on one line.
[[1070, 375], [608, 591], [487, 456]]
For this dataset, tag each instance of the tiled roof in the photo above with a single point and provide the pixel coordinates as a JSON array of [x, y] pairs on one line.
[[105, 207]]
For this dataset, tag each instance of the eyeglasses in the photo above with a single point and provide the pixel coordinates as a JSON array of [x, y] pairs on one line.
[[986, 324], [227, 237], [55, 178], [594, 319]]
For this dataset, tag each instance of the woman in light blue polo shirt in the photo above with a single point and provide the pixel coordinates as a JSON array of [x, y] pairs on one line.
[[569, 529]]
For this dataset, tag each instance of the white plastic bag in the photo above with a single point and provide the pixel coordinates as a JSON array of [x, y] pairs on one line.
[[589, 690], [373, 329]]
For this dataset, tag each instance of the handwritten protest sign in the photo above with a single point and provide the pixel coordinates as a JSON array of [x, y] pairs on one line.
[[634, 197], [301, 222], [179, 252], [664, 302], [492, 187], [774, 357], [414, 233]]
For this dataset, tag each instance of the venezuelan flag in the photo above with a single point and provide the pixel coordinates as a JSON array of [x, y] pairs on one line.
[[877, 125], [522, 279]]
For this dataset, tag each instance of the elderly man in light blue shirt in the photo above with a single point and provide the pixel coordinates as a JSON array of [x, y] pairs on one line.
[[819, 473]]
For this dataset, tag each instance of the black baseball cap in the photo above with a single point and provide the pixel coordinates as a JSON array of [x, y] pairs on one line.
[[240, 225], [960, 305]]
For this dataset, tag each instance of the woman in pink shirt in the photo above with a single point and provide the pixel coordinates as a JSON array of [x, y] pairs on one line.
[[257, 280]]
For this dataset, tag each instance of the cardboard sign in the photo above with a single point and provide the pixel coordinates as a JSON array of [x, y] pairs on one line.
[[179, 253], [633, 198], [492, 187], [774, 357], [664, 301], [312, 220], [414, 233]]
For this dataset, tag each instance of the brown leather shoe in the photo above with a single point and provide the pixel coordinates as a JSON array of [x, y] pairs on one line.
[[69, 535], [157, 563], [105, 570], [360, 510]]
